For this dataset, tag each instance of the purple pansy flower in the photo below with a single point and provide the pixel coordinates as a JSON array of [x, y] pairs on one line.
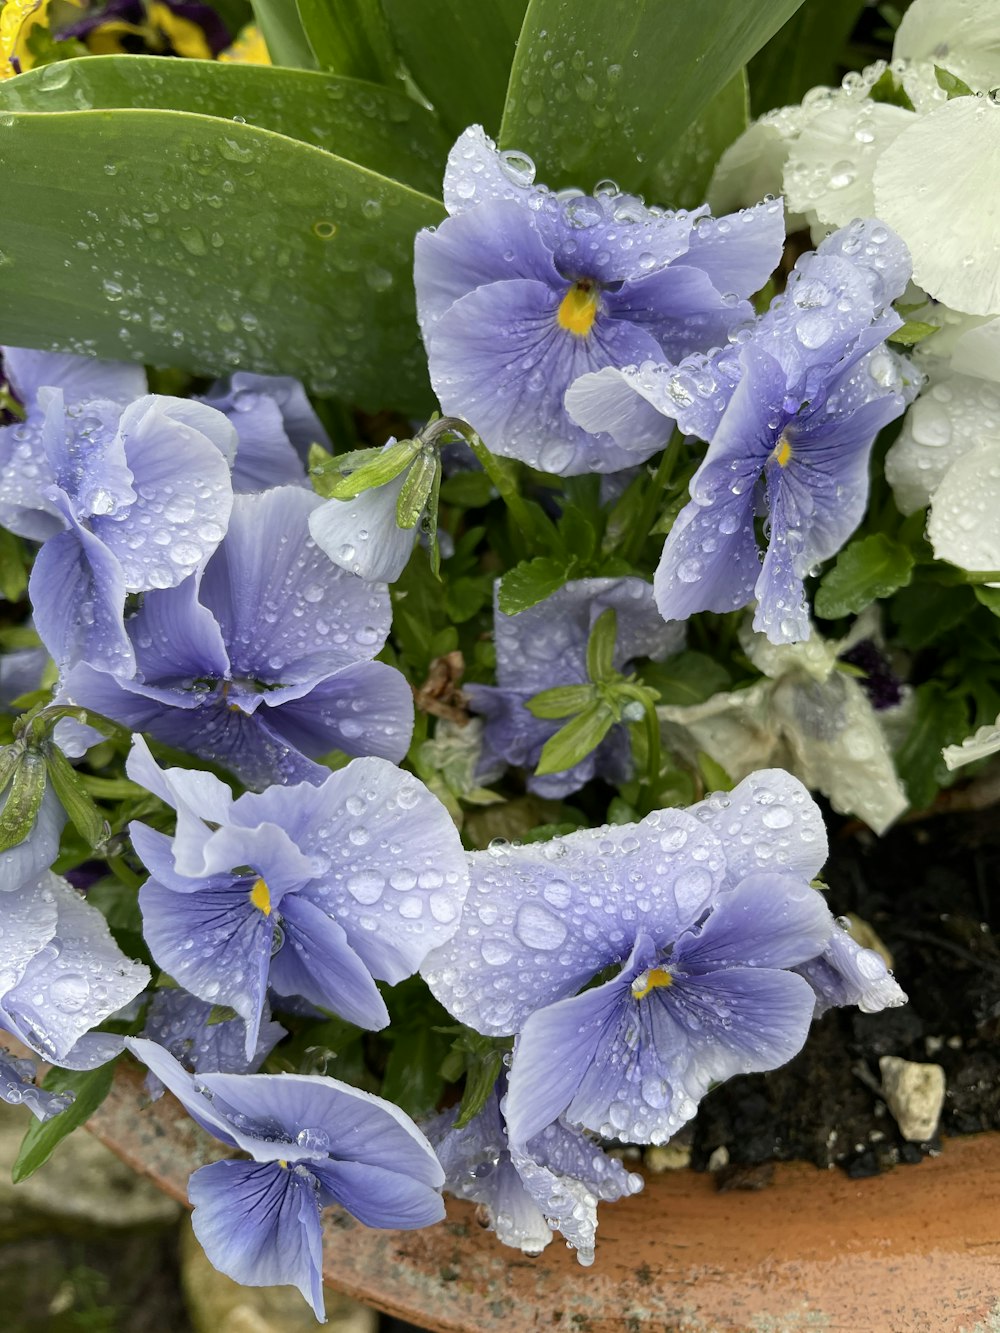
[[61, 974], [276, 425], [553, 1184], [848, 973], [790, 412], [179, 1022], [521, 291], [174, 27], [126, 493], [337, 884], [262, 661], [545, 646], [315, 1142], [699, 913], [362, 534]]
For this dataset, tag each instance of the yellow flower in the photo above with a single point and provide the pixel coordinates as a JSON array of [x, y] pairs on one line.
[[248, 49]]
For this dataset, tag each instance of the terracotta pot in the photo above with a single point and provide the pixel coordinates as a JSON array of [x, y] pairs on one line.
[[916, 1250]]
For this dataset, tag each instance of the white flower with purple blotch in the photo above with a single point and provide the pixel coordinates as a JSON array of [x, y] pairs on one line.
[[312, 890], [790, 412], [522, 290], [314, 1142], [262, 661], [126, 491], [639, 964]]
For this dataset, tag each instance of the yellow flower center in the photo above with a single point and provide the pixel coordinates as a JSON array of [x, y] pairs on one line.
[[782, 454], [578, 309], [649, 980], [260, 896]]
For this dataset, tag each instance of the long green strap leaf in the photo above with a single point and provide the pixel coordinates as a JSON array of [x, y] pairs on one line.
[[166, 237], [350, 37], [599, 89], [279, 24], [379, 128]]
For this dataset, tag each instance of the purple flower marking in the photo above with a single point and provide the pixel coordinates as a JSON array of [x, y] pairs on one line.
[[125, 496], [263, 661], [62, 974], [546, 646], [790, 411], [699, 913], [553, 1184], [314, 1142], [336, 885], [522, 291]]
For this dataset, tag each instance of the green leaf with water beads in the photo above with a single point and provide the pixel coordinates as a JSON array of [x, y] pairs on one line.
[[681, 179], [366, 469], [89, 1089], [586, 90], [601, 647], [866, 570], [560, 701], [68, 786], [416, 489], [310, 276], [377, 127], [577, 738], [27, 787], [350, 37]]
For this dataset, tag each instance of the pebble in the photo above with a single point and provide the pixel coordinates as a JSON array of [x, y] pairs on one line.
[[914, 1093]]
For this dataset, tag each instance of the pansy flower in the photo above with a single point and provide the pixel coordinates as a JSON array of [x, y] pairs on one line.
[[314, 1142], [313, 890], [18, 1088], [62, 974], [262, 662], [790, 412], [527, 1193], [521, 291], [126, 493], [640, 963], [848, 973], [181, 1024], [546, 646], [152, 27], [275, 425]]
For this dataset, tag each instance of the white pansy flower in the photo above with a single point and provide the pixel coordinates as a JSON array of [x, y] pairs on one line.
[[807, 717], [980, 745]]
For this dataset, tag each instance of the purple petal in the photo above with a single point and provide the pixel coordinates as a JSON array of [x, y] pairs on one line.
[[259, 1224], [608, 401], [316, 962], [302, 426], [846, 973], [215, 942], [29, 921], [266, 455], [365, 709], [179, 1022], [767, 920], [377, 1196], [176, 1078], [869, 244], [81, 378], [86, 454], [17, 1088], [767, 822], [681, 308], [176, 638], [782, 612], [77, 592], [739, 252], [26, 506]]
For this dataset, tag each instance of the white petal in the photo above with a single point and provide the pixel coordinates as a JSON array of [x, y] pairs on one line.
[[985, 741], [829, 171], [961, 35], [929, 187], [753, 166], [964, 524], [948, 420], [977, 351]]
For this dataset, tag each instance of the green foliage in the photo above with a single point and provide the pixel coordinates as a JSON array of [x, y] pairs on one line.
[[349, 37], [283, 34], [586, 93], [89, 1089], [13, 567], [24, 770], [808, 50], [531, 582], [578, 738], [148, 235], [681, 179], [866, 569], [687, 678], [940, 719], [419, 1044], [913, 332], [952, 84]]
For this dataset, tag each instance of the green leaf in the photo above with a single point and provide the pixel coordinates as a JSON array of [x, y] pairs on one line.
[[531, 582], [43, 1137], [951, 83], [890, 92], [350, 37], [483, 1063], [601, 646], [680, 180], [27, 788], [179, 255], [912, 332], [460, 59], [13, 567], [687, 678], [715, 776], [808, 50], [375, 467], [990, 598], [926, 613], [378, 128], [281, 29], [940, 719], [598, 88], [562, 701], [866, 570], [467, 490], [417, 487], [576, 739], [68, 786]]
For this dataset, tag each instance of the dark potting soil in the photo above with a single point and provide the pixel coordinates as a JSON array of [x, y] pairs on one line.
[[931, 890]]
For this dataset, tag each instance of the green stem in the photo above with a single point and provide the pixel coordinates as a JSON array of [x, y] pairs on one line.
[[651, 501], [517, 506], [653, 757]]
